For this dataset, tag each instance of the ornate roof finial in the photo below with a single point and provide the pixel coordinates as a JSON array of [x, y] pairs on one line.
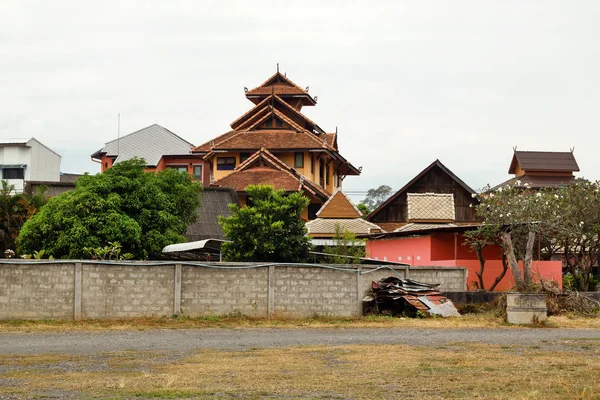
[[572, 149], [277, 67]]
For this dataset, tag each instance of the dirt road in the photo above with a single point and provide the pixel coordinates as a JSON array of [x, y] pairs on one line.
[[184, 340]]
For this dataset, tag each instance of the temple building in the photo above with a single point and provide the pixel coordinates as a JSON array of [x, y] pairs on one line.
[[541, 169], [275, 143]]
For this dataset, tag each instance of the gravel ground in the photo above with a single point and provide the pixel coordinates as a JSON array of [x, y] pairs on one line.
[[185, 340]]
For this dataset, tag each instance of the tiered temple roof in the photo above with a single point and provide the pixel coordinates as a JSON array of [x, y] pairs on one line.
[[276, 125]]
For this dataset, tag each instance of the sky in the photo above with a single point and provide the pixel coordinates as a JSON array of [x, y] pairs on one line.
[[405, 83]]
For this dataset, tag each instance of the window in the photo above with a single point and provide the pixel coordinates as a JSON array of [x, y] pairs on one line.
[[299, 160], [225, 163], [197, 172], [180, 168], [327, 175], [278, 123], [13, 173], [244, 157]]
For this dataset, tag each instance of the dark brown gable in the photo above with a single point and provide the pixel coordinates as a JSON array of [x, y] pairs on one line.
[[436, 178]]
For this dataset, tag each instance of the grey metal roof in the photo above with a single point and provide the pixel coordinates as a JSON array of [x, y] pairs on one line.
[[150, 143]]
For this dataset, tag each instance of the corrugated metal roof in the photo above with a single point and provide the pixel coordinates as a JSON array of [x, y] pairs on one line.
[[150, 143]]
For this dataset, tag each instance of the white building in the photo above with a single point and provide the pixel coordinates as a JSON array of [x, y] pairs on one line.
[[26, 159]]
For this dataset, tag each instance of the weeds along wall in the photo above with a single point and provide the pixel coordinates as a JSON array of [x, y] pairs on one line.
[[104, 290]]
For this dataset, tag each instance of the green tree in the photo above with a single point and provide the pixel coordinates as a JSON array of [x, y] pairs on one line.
[[15, 209], [375, 197], [565, 220], [363, 208], [347, 248], [142, 211], [268, 229]]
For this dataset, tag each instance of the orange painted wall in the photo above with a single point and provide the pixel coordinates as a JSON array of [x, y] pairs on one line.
[[409, 250], [430, 250]]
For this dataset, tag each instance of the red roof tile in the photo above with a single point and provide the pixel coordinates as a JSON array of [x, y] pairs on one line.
[[270, 139], [260, 176]]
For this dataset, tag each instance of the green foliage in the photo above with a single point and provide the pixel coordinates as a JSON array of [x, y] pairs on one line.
[[15, 209], [575, 282], [375, 197], [564, 220], [110, 252], [347, 249], [142, 211], [269, 229], [363, 208]]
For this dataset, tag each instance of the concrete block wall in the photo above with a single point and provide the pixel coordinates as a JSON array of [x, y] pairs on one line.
[[126, 291], [104, 290], [211, 291], [30, 291], [301, 292]]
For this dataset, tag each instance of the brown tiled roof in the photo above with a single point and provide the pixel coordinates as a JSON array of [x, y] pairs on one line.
[[543, 161], [206, 147], [283, 86], [271, 139], [260, 176], [332, 140], [259, 106], [537, 182], [277, 89], [264, 156], [293, 110], [430, 206]]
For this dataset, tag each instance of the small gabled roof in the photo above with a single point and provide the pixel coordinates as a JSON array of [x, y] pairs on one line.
[[339, 206], [263, 167], [436, 163], [150, 143], [281, 85], [544, 161], [268, 103]]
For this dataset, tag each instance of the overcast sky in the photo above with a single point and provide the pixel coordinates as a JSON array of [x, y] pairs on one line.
[[404, 82]]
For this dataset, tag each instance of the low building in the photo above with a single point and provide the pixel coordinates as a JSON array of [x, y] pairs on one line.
[[338, 213], [444, 246], [27, 159], [436, 195], [541, 169], [159, 148]]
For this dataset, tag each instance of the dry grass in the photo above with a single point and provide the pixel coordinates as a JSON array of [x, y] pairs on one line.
[[357, 372], [481, 320]]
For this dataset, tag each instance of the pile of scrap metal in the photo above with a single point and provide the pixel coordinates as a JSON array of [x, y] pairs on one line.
[[405, 297]]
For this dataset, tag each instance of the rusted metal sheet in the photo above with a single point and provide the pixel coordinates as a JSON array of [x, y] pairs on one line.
[[405, 297]]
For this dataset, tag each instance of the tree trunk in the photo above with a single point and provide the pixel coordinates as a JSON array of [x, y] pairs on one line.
[[499, 277], [528, 258], [479, 252], [509, 250]]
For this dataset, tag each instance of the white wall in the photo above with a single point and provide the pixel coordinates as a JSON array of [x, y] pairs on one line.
[[44, 164]]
